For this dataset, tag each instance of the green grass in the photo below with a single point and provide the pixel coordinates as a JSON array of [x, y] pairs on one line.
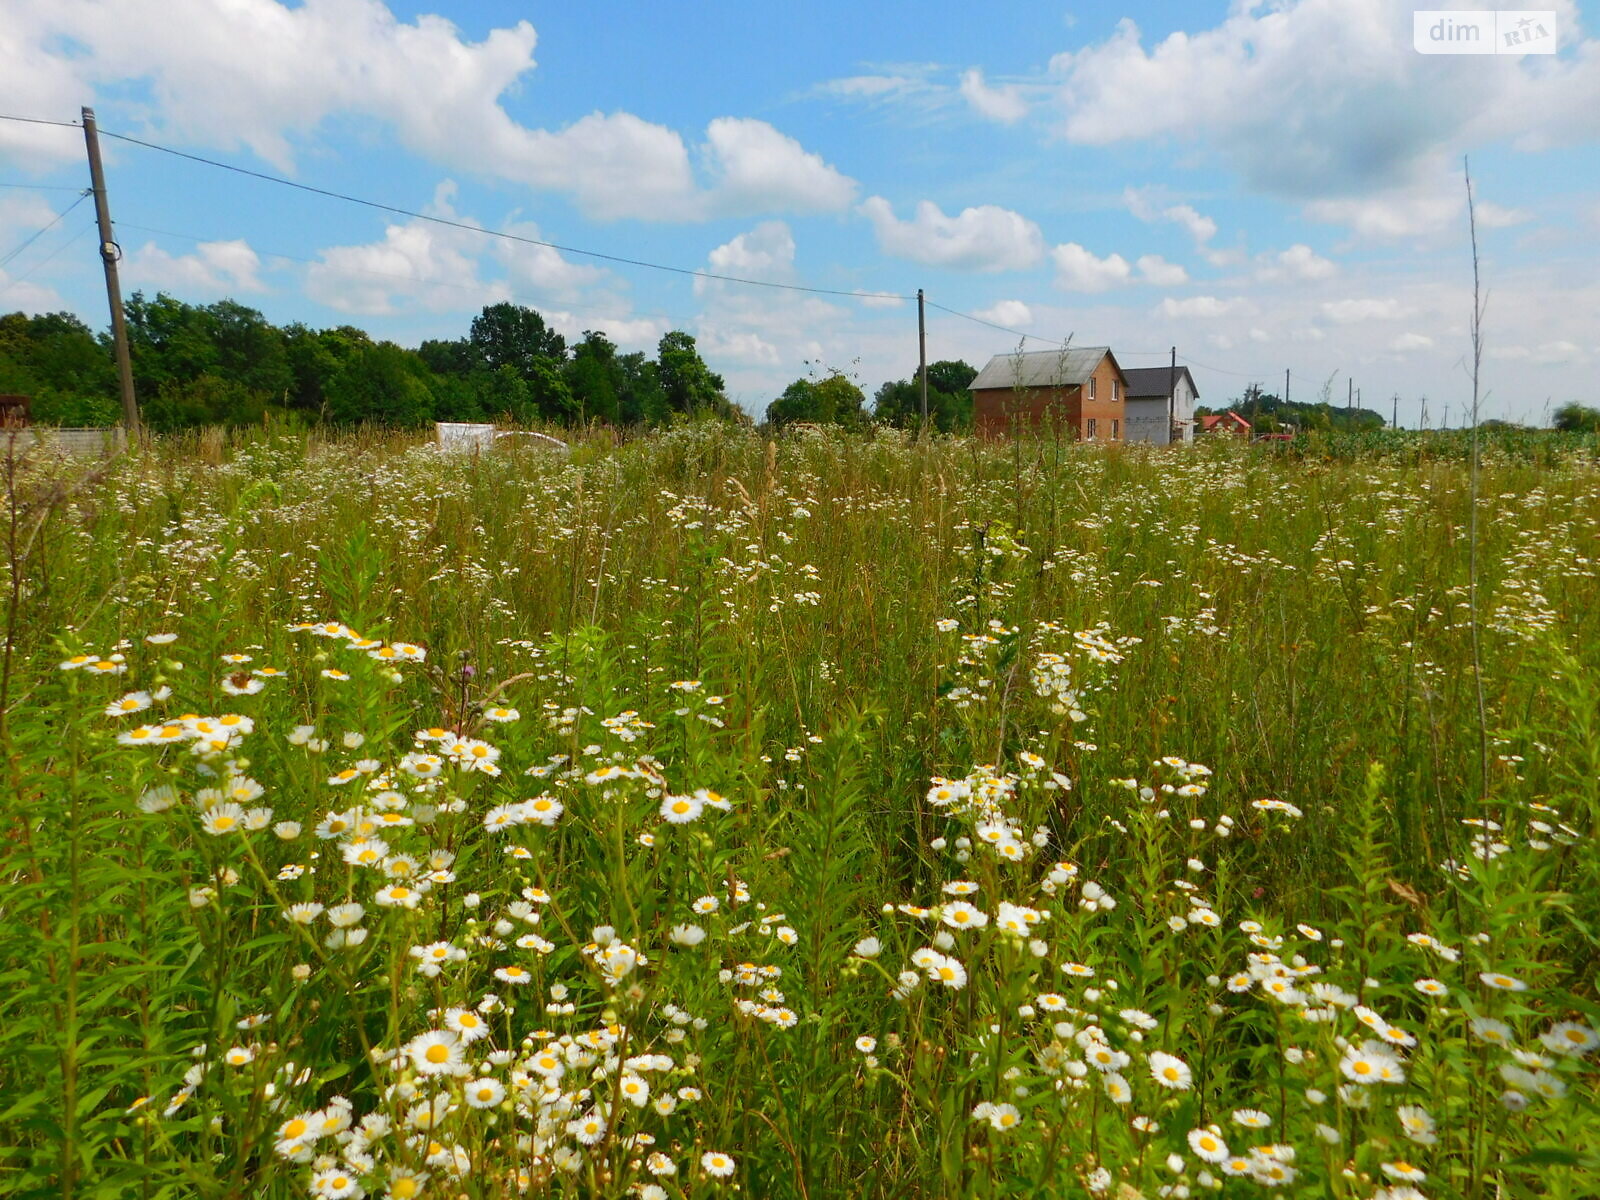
[[1231, 684]]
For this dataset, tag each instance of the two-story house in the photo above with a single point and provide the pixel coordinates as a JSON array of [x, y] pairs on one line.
[[1161, 405], [1080, 392]]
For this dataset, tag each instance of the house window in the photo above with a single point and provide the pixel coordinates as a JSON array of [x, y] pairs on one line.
[[1116, 390], [1091, 387], [1089, 429], [1116, 429]]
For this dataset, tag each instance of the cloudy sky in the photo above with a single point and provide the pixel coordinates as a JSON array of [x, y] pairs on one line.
[[1266, 186]]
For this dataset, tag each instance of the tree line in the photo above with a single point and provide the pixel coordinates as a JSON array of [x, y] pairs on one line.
[[226, 364]]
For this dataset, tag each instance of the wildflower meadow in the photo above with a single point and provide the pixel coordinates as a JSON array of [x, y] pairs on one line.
[[836, 815]]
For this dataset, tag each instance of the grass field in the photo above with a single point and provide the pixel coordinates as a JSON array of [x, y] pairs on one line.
[[841, 816]]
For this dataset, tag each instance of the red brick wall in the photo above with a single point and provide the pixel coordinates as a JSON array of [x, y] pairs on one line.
[[997, 411]]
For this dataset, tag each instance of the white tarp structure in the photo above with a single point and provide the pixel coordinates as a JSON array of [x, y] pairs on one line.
[[460, 435], [472, 437]]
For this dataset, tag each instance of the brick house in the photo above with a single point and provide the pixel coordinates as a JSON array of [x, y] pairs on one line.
[[1082, 392]]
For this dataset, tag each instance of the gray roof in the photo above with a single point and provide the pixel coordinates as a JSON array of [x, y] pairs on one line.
[[1155, 381], [1040, 368]]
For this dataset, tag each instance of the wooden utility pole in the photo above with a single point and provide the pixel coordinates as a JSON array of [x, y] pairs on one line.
[[922, 356], [1172, 399], [110, 252], [1394, 422]]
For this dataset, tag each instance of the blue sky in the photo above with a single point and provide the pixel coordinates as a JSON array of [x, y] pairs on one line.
[[1266, 186]]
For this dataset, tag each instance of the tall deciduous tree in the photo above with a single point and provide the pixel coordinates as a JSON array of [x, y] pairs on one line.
[[899, 401], [1577, 418], [690, 387], [381, 383], [833, 400], [515, 336]]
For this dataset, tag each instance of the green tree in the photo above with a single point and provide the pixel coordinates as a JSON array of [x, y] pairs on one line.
[[595, 378], [641, 400], [1577, 418], [690, 387], [311, 364], [899, 402], [458, 356], [503, 393], [381, 383], [249, 349], [223, 362], [834, 400], [56, 360], [512, 335]]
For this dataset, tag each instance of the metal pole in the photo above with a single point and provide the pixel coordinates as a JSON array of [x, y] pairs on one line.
[[922, 356], [110, 252]]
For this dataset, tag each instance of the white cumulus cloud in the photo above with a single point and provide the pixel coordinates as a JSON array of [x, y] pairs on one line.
[[1299, 263], [214, 269], [1006, 312], [1154, 269], [1003, 104], [1326, 102], [421, 265], [983, 238], [1206, 307], [755, 168], [1079, 270], [269, 76]]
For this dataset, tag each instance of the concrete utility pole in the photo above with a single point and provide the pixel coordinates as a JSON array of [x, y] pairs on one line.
[[922, 356], [1394, 422], [1172, 398], [1286, 385], [1349, 393], [110, 252]]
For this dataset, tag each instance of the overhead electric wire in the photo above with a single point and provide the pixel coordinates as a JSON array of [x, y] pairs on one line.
[[398, 277], [557, 246], [992, 325], [41, 121], [48, 258], [496, 233], [82, 196]]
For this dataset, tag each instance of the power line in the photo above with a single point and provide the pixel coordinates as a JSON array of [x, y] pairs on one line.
[[39, 121], [993, 325], [510, 237], [1252, 375], [402, 278], [82, 196], [31, 271], [43, 187]]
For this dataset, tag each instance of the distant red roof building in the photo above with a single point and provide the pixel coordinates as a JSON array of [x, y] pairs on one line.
[[1228, 422]]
